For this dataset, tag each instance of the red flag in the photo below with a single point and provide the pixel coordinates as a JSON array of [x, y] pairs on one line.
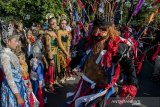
[[80, 4]]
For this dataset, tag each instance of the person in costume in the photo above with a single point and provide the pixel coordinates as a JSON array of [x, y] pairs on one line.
[[106, 54], [51, 52], [23, 40], [14, 92], [37, 73], [24, 70], [64, 43], [25, 76]]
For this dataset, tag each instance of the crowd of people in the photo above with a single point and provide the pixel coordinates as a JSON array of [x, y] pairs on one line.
[[34, 60]]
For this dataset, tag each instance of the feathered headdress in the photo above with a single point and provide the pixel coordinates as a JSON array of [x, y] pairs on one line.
[[105, 13]]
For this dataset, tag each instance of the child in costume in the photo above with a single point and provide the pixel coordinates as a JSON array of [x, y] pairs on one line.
[[37, 74], [25, 76]]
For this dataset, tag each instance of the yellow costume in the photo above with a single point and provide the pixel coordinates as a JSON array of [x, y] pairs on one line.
[[64, 41], [52, 49]]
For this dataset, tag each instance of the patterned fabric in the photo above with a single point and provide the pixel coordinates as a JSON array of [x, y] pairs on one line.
[[13, 82], [52, 50], [64, 45], [36, 74]]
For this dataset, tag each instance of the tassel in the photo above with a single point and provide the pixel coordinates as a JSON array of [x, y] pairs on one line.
[[40, 97]]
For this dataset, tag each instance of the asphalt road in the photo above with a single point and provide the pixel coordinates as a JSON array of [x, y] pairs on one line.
[[148, 92]]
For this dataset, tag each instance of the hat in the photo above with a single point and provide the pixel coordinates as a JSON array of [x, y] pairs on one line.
[[104, 15], [8, 31]]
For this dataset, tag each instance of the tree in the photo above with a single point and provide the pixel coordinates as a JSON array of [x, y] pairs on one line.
[[36, 9]]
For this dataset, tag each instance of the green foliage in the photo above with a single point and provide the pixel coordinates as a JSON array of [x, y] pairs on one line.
[[37, 9]]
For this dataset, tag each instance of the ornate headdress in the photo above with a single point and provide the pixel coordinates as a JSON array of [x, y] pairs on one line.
[[105, 14], [8, 31], [49, 15], [63, 17]]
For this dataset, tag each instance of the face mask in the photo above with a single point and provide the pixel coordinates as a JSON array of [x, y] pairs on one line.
[[97, 37]]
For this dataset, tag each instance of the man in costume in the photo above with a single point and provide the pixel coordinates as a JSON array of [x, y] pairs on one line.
[[106, 55]]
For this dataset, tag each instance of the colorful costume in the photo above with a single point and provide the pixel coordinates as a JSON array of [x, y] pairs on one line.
[[13, 82], [95, 86], [105, 56], [64, 45], [25, 74], [52, 50], [37, 79], [36, 74]]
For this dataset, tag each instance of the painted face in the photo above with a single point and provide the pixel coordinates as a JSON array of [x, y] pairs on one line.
[[12, 43], [99, 33], [63, 24]]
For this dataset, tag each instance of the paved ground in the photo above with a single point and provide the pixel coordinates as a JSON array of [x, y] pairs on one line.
[[148, 92]]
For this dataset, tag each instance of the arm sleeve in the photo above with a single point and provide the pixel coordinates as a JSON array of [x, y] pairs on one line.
[[129, 70], [40, 72], [5, 62], [48, 46]]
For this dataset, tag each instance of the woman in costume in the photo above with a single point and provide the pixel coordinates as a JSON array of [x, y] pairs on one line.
[[52, 50], [14, 90], [64, 42]]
